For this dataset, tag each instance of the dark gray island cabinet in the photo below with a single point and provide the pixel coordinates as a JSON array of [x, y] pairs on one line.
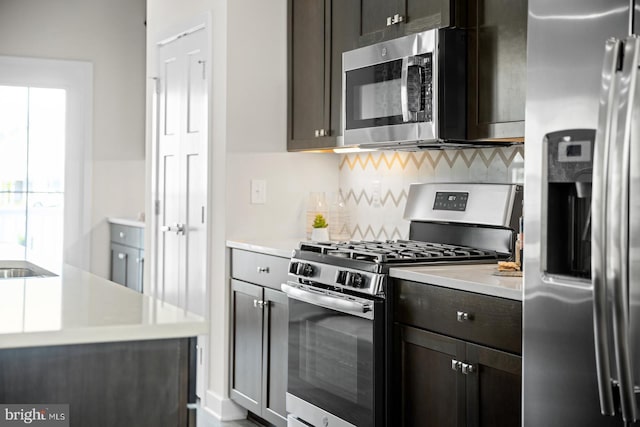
[[457, 357], [115, 356], [129, 383]]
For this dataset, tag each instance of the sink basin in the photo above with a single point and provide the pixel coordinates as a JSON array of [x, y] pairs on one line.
[[21, 269], [8, 273]]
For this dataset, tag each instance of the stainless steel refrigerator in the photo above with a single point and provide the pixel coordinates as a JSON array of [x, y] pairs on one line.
[[581, 349]]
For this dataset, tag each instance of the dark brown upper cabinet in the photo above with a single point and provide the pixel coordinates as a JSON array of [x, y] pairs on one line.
[[497, 45], [385, 20], [319, 32]]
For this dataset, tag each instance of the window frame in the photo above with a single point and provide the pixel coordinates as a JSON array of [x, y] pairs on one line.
[[76, 78]]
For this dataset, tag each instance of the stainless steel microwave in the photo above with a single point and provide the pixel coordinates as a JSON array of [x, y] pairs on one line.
[[406, 92]]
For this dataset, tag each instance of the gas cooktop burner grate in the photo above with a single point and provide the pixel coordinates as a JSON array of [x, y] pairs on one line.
[[397, 251]]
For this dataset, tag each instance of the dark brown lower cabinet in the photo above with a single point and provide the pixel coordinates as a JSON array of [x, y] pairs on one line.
[[447, 382], [133, 383], [259, 350]]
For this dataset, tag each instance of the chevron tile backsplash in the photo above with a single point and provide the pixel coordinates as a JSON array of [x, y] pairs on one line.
[[374, 185]]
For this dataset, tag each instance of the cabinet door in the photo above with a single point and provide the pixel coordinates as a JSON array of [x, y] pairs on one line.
[[275, 339], [493, 390], [432, 394], [421, 15], [246, 378], [125, 265], [308, 72], [373, 20], [497, 68], [345, 31]]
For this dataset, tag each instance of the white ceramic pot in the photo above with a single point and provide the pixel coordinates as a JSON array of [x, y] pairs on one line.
[[320, 234]]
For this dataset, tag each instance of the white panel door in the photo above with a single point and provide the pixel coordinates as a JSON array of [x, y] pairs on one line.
[[182, 172]]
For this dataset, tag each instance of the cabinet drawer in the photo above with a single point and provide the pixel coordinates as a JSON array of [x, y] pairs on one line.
[[265, 270], [492, 321], [126, 235]]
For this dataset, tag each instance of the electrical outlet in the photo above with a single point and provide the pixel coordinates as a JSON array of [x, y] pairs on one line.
[[258, 191]]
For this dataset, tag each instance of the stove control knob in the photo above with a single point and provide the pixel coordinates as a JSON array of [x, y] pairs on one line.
[[355, 280], [293, 267], [304, 269], [341, 278]]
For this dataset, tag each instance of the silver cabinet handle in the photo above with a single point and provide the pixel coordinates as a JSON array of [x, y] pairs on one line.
[[395, 19], [122, 234], [317, 133], [260, 303], [121, 255], [467, 368], [462, 316], [263, 269], [601, 172], [456, 365]]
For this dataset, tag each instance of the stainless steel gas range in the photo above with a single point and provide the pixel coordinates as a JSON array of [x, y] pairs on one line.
[[340, 321]]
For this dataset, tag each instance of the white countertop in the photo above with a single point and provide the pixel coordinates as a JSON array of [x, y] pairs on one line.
[[79, 307], [278, 247], [466, 277], [127, 221]]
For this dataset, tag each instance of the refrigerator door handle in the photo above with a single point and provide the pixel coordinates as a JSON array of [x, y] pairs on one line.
[[606, 120], [620, 240]]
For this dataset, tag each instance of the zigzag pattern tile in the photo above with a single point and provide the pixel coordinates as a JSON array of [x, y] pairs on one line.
[[380, 217], [369, 233], [401, 159], [359, 197]]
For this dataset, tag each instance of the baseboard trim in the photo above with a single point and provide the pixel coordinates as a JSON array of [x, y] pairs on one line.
[[223, 409]]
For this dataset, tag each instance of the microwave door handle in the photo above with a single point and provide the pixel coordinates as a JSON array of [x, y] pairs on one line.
[[322, 299], [621, 225], [404, 90], [601, 172]]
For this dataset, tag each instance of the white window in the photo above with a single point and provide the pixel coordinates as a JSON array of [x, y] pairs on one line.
[[45, 146]]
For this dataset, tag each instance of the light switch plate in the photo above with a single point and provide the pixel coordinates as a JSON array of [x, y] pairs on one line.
[[258, 191]]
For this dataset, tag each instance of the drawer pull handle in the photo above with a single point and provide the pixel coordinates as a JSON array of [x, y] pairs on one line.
[[463, 316], [456, 365], [263, 269], [121, 255], [122, 234]]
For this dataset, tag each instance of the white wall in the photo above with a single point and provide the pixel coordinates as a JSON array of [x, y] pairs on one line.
[[248, 140], [111, 35]]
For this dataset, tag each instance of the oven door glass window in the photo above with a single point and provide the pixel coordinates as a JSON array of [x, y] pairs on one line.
[[373, 96], [331, 361]]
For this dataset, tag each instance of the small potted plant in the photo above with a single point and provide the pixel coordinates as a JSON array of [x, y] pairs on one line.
[[320, 232]]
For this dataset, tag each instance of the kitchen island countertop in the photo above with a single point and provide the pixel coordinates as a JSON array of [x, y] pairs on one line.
[[476, 278], [78, 307]]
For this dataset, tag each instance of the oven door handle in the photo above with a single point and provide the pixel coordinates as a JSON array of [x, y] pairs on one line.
[[322, 298]]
